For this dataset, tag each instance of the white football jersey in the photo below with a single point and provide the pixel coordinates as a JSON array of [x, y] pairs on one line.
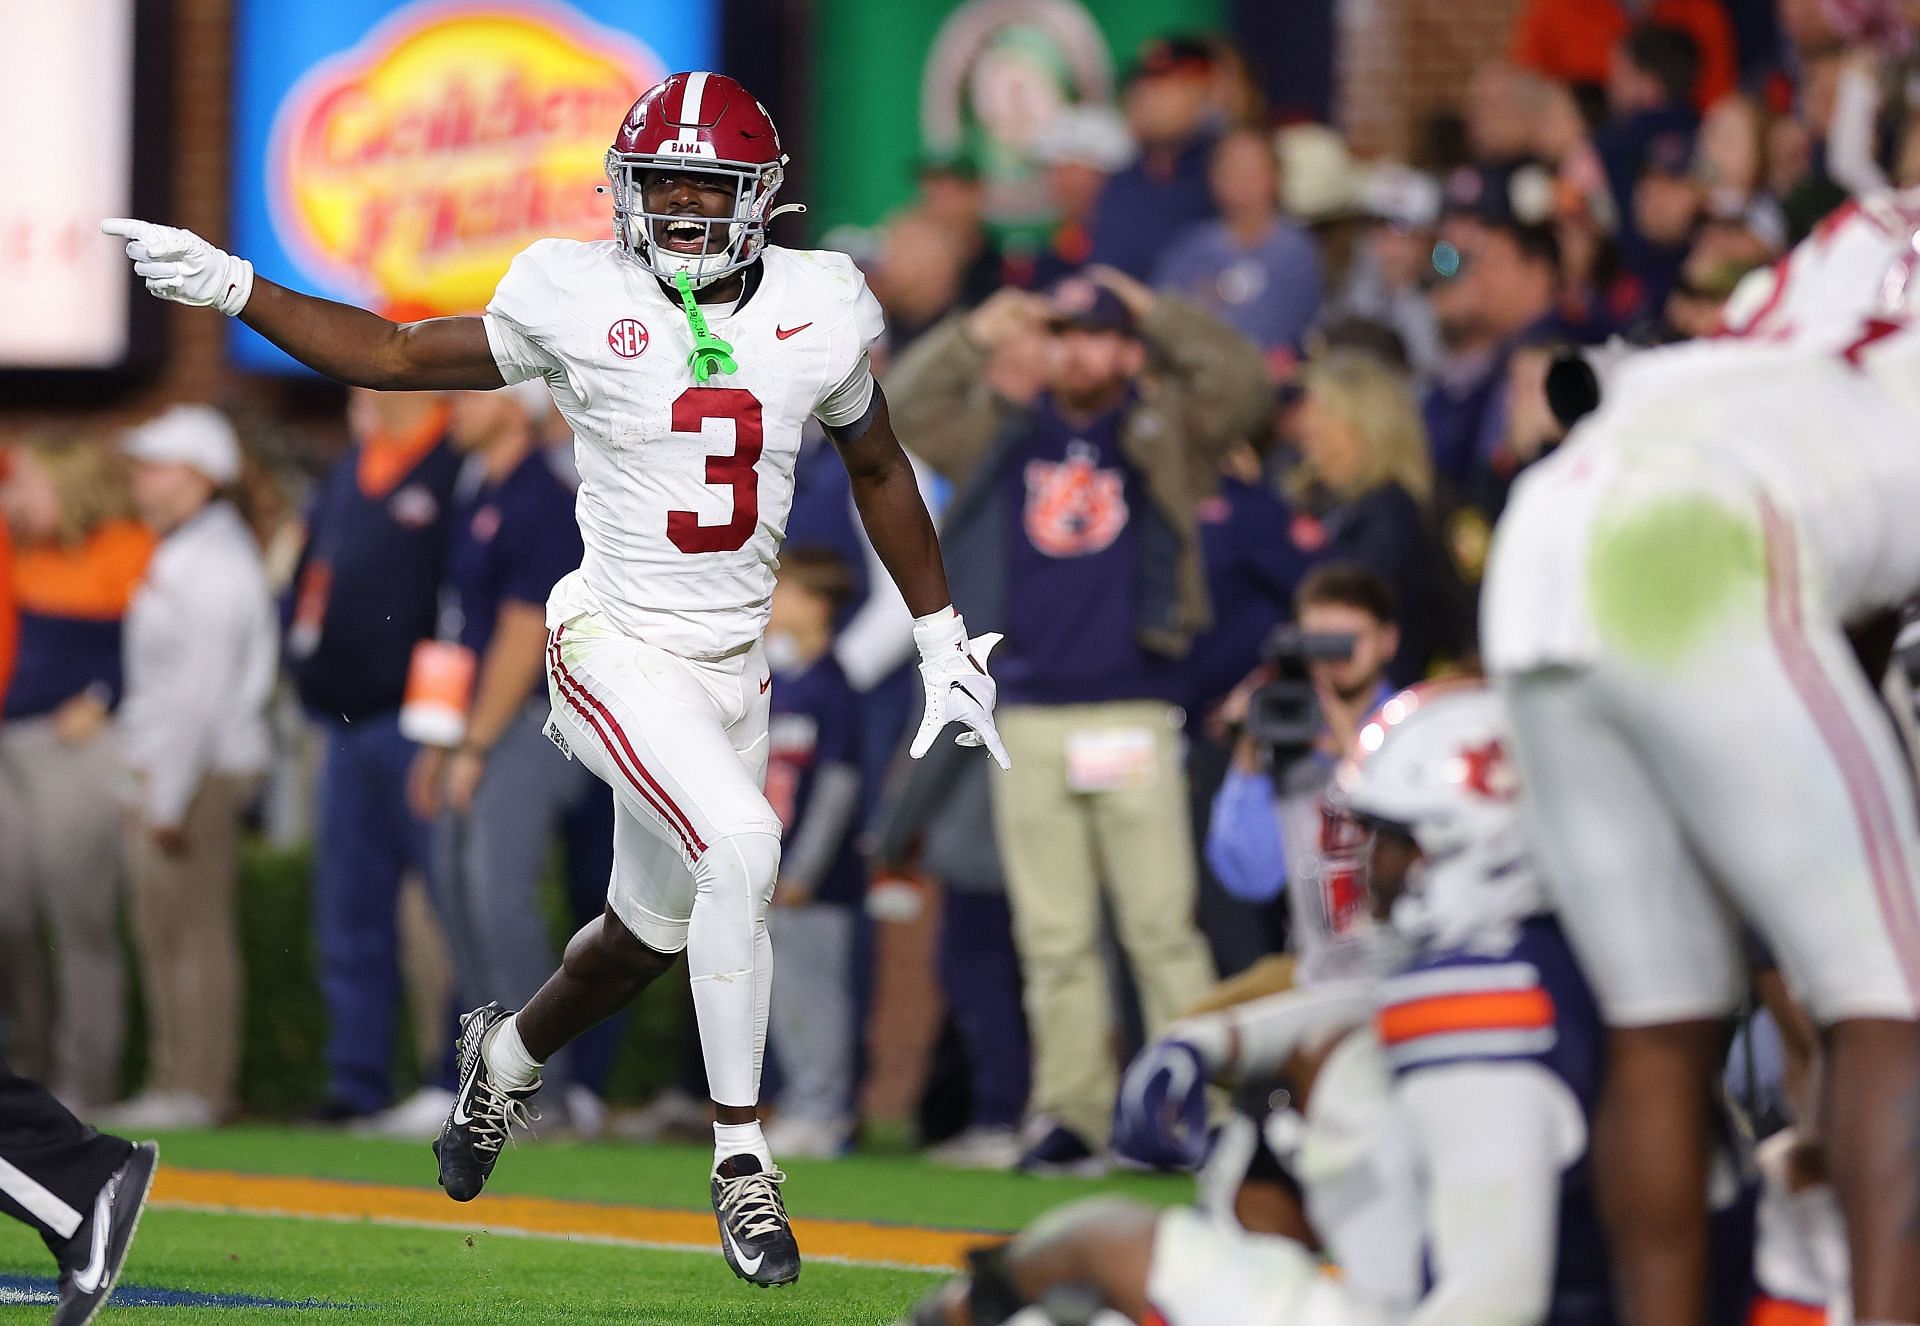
[[1837, 274], [684, 487], [1827, 427]]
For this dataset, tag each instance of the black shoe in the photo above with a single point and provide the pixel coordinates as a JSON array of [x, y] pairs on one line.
[[1061, 1151], [754, 1230], [92, 1259], [483, 1114]]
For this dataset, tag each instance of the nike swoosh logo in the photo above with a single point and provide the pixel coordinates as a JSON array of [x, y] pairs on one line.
[[460, 1116], [765, 684], [781, 333], [90, 1277], [747, 1264]]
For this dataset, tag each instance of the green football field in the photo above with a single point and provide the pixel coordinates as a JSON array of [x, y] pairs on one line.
[[566, 1232]]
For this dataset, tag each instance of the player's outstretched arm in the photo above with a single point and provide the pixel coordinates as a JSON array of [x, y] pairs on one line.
[[347, 344], [952, 666]]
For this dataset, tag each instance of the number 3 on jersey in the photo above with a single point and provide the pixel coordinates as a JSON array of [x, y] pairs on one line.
[[734, 471]]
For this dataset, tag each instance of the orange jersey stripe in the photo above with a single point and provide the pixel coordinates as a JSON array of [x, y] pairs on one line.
[[94, 580], [1782, 1312], [1480, 1010]]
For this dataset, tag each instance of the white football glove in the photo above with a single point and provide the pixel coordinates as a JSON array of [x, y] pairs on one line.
[[180, 266], [954, 671]]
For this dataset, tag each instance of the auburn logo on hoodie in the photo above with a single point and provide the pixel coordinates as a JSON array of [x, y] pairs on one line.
[[1074, 508]]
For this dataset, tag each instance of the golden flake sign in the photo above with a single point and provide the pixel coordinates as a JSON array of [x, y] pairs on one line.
[[415, 165]]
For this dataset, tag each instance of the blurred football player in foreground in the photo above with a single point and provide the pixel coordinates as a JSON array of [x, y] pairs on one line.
[[1688, 609]]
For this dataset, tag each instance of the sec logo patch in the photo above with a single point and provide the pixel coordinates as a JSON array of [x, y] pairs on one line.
[[627, 338]]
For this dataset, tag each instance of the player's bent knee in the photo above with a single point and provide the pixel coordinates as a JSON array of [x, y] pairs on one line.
[[740, 864]]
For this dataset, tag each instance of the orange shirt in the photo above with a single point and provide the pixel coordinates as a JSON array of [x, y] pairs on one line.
[[94, 581], [387, 458], [9, 615], [1571, 41]]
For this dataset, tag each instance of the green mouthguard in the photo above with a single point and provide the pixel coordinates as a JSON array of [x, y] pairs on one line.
[[710, 353]]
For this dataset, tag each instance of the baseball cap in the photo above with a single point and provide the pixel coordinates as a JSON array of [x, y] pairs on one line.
[[1402, 196], [1171, 55], [1086, 136], [195, 435], [1078, 302], [1319, 179]]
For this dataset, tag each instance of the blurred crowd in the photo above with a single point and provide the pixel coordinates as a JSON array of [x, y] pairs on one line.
[[1242, 418]]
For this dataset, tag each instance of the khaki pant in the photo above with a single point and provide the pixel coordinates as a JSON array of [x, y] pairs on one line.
[[1061, 847], [60, 865], [185, 923]]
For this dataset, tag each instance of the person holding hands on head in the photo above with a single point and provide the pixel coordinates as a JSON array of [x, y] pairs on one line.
[[1081, 430]]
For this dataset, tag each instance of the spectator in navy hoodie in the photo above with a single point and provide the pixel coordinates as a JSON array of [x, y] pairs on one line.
[[813, 781], [1073, 524], [365, 593], [1168, 103]]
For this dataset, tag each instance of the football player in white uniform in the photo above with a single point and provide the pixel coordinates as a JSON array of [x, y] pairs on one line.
[[1667, 610], [687, 355]]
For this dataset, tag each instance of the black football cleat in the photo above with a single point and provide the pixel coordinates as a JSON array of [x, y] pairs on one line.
[[754, 1231], [484, 1114], [91, 1261]]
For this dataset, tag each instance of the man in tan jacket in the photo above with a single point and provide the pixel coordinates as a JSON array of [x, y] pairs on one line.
[[1081, 430]]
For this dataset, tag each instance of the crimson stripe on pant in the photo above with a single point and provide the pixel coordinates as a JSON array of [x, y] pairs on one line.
[[578, 699], [1875, 815], [685, 823]]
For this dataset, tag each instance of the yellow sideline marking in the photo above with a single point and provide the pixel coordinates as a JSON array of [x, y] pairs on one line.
[[851, 1242]]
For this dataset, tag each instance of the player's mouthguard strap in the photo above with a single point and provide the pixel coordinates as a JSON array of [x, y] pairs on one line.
[[710, 353]]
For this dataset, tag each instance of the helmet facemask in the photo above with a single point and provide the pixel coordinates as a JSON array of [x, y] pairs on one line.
[[727, 243]]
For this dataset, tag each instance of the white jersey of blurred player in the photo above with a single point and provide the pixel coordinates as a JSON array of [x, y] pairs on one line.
[[1837, 275], [1664, 609]]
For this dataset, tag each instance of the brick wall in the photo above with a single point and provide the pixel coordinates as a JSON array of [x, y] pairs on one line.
[[198, 183], [1403, 59]]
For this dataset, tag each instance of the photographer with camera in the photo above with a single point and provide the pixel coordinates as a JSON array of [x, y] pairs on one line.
[[1297, 716]]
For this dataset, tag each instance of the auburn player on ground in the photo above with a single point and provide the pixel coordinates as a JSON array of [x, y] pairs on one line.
[[687, 354]]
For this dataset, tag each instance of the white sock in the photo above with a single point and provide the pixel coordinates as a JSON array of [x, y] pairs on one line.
[[507, 1058], [732, 1139]]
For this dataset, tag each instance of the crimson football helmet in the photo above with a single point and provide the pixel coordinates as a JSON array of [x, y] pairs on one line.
[[707, 124]]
